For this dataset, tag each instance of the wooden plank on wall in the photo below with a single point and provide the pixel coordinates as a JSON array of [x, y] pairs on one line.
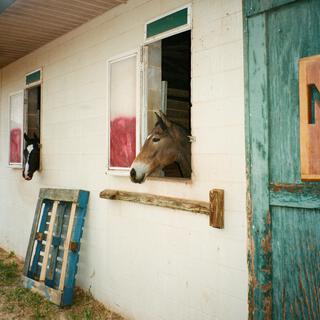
[[156, 200]]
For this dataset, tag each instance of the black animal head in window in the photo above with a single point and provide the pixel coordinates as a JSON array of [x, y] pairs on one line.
[[31, 156]]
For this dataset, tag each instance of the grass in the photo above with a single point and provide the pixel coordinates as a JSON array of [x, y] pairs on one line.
[[17, 302]]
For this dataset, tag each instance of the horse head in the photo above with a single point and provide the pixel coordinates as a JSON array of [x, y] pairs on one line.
[[167, 143], [31, 156]]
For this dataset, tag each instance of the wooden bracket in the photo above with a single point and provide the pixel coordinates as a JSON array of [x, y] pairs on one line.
[[216, 208]]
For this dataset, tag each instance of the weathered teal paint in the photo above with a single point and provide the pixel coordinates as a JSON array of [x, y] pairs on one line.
[[296, 261], [258, 178], [169, 22], [4, 4], [295, 195], [283, 212], [253, 7]]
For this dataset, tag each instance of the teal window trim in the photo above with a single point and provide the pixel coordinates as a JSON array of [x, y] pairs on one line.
[[169, 22], [33, 77]]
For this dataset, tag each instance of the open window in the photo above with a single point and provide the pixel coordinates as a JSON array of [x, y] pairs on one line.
[[33, 110], [32, 105], [167, 75]]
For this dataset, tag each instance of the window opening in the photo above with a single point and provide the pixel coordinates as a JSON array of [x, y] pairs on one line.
[[167, 85], [33, 110]]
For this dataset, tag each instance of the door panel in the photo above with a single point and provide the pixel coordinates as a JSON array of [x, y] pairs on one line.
[[295, 263], [283, 212], [293, 32]]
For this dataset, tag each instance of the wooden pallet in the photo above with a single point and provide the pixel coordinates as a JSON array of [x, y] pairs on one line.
[[53, 252]]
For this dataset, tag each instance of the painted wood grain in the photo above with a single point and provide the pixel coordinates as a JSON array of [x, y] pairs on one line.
[[253, 7], [259, 229], [29, 24], [285, 285], [295, 195], [296, 263]]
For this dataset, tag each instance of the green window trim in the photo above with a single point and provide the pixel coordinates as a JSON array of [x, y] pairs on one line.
[[167, 23], [33, 77]]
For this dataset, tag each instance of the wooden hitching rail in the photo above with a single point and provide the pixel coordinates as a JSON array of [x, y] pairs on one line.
[[215, 209]]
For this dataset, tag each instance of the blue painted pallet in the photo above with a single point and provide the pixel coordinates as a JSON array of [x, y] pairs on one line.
[[53, 251]]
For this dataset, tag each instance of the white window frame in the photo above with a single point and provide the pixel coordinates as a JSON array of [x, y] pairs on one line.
[[15, 165], [119, 171], [171, 32], [25, 122], [24, 111]]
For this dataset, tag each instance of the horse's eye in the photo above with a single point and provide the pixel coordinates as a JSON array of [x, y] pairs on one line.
[[155, 139]]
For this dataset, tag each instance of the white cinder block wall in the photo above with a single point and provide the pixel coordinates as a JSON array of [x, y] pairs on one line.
[[147, 263]]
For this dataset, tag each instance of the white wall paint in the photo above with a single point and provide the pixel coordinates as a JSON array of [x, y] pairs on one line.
[[145, 262]]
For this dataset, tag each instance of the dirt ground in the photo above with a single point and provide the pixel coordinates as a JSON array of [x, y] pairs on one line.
[[17, 302]]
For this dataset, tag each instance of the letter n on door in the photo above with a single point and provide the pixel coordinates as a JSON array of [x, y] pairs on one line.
[[309, 93]]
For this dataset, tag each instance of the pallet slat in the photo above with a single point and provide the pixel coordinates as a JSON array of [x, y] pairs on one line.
[[48, 242], [39, 246], [66, 246], [56, 242], [32, 235]]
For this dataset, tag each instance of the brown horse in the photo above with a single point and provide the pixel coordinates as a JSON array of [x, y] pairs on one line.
[[167, 143]]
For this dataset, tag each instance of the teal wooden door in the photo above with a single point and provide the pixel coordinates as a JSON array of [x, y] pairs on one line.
[[283, 211]]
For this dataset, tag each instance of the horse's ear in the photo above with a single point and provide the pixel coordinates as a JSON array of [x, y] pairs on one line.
[[164, 118], [160, 121], [26, 137], [36, 137]]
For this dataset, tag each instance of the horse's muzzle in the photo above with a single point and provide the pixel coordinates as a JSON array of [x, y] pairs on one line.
[[133, 176]]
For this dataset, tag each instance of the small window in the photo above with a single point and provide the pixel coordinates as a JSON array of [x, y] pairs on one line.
[[167, 76], [15, 129], [123, 126], [32, 110], [169, 24]]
